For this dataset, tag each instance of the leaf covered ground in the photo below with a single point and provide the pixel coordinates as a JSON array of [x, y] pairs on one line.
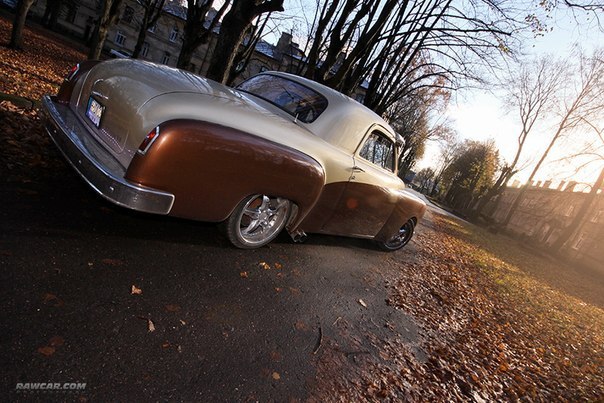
[[497, 321], [492, 330]]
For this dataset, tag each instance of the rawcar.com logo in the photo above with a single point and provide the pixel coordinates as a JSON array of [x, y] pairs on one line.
[[50, 386]]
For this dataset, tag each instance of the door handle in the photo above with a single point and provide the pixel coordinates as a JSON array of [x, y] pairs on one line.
[[357, 169]]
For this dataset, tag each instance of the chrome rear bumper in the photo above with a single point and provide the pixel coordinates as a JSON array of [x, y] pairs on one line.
[[96, 165]]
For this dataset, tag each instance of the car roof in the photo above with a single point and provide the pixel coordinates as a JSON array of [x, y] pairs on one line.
[[345, 121]]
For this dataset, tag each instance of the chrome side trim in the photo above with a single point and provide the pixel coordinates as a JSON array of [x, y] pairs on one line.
[[96, 165]]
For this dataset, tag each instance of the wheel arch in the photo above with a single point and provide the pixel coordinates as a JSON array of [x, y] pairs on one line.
[[211, 168]]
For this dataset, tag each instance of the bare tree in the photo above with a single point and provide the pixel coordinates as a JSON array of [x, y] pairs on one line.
[[152, 10], [198, 28], [234, 26], [413, 119], [108, 17], [247, 49], [582, 104], [449, 148], [531, 91], [397, 47]]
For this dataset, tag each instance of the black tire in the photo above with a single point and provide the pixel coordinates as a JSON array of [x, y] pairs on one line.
[[401, 239], [257, 220]]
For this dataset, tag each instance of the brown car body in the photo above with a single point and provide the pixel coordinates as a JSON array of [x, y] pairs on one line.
[[213, 148]]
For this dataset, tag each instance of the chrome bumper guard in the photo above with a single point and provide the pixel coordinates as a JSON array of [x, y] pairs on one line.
[[96, 165]]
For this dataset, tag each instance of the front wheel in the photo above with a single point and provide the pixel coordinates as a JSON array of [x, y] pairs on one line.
[[402, 238], [257, 220]]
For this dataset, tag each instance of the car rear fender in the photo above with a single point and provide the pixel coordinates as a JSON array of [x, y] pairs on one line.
[[210, 168], [408, 207]]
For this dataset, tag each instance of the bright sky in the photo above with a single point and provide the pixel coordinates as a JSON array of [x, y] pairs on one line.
[[480, 115]]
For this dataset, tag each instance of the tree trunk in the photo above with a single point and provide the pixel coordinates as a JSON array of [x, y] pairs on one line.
[[107, 18], [16, 39], [494, 191], [575, 225], [226, 47], [142, 35], [186, 53], [153, 10], [524, 188], [232, 31]]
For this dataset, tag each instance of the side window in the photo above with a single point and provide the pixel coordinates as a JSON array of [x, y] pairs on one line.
[[379, 149]]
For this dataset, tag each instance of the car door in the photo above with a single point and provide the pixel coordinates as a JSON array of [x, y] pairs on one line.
[[372, 191]]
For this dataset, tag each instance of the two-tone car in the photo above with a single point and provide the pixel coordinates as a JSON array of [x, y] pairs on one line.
[[277, 152]]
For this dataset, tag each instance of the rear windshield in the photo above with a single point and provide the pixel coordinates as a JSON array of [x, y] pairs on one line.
[[296, 99]]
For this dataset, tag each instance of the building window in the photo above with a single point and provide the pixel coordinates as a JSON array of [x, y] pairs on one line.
[[166, 58], [128, 14], [152, 28], [580, 241], [120, 39], [569, 210], [174, 34], [263, 69], [145, 49], [597, 216], [72, 13]]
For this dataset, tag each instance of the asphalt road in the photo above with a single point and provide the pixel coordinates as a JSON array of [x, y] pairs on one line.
[[228, 324]]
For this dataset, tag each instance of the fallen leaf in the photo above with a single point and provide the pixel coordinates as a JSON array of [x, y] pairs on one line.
[[172, 308], [264, 265], [243, 274], [276, 356], [278, 289], [46, 350], [135, 290], [276, 376], [165, 344], [362, 303], [53, 300], [150, 325], [278, 266], [182, 322]]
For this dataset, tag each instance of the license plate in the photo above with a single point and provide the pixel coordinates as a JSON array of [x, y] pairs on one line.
[[94, 111]]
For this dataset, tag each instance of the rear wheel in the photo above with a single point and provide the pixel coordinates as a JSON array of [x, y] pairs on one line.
[[402, 238], [257, 220]]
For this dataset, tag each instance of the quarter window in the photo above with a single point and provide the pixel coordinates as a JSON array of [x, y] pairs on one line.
[[145, 49], [379, 149]]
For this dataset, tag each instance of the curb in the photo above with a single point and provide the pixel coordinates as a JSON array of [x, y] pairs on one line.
[[20, 101]]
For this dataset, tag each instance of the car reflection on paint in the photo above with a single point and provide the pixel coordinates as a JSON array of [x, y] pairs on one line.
[[277, 152]]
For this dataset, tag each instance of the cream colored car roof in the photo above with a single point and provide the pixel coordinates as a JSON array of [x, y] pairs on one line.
[[345, 121]]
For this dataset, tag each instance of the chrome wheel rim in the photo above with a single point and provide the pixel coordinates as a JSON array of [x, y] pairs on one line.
[[402, 237], [261, 219]]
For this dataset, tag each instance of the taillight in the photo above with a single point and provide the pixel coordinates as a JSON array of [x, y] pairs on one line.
[[73, 72], [64, 94], [148, 141]]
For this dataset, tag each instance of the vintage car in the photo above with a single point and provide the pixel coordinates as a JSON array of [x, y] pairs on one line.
[[279, 151]]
